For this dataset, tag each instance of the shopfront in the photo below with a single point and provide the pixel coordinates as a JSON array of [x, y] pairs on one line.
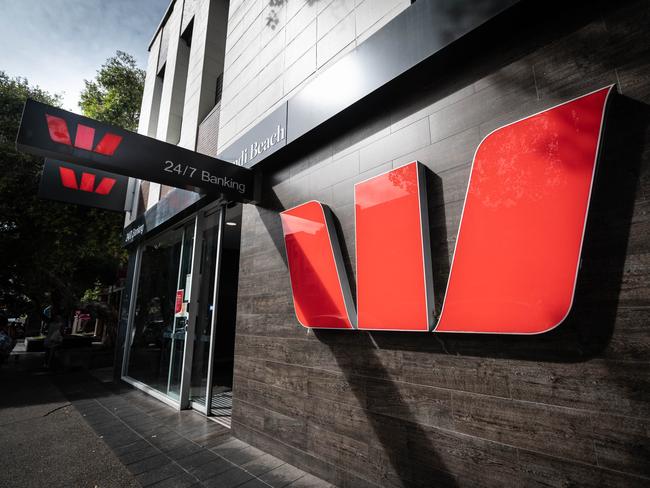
[[181, 326], [460, 187], [547, 384]]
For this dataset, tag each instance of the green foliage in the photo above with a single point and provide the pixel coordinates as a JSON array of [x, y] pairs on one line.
[[48, 246], [114, 96], [92, 294]]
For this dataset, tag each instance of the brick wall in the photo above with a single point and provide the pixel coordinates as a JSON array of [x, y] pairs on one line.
[[208, 135], [567, 408]]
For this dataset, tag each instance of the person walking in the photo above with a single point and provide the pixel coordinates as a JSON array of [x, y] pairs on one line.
[[7, 341], [55, 331]]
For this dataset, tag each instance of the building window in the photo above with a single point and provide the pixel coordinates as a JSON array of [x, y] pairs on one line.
[[218, 91], [155, 104], [180, 82], [187, 33]]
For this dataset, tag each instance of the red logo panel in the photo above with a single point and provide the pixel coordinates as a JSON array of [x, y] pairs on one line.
[[392, 234], [69, 180], [518, 249], [517, 255], [58, 129], [321, 293]]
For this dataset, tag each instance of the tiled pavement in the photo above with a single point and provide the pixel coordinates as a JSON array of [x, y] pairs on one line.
[[164, 448]]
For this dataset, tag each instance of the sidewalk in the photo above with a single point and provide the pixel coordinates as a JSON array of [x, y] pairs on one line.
[[70, 429]]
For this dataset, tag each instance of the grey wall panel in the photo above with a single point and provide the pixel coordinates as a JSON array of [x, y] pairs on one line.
[[414, 35]]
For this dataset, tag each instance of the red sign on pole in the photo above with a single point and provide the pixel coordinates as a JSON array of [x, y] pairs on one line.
[[179, 301]]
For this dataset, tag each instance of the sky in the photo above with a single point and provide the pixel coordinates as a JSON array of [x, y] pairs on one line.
[[56, 44]]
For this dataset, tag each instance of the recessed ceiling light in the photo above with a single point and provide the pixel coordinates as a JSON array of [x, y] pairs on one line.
[[231, 223]]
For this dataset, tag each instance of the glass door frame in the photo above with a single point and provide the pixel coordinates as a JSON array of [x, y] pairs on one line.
[[183, 401], [205, 408], [188, 346]]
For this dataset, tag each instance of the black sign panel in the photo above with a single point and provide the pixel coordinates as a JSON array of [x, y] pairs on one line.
[[71, 183], [176, 202], [135, 231], [52, 132]]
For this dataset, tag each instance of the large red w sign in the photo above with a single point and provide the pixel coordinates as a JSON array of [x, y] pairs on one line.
[[517, 254]]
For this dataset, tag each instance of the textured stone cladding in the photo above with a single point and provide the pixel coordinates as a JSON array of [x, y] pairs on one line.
[[567, 408]]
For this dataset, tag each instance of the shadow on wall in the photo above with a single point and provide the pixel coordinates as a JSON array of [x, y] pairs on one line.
[[406, 455], [408, 452], [273, 17]]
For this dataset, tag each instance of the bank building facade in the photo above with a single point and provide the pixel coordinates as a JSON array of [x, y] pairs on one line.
[[442, 276]]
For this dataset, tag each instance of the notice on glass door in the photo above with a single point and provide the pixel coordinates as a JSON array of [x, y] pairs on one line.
[[179, 302]]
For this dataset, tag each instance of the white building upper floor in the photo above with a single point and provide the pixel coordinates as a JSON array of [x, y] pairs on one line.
[[216, 68]]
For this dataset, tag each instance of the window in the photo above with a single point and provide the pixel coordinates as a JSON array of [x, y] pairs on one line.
[[219, 89]]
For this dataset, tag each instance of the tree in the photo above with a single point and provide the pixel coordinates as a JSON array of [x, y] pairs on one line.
[[115, 95], [48, 246], [18, 183], [45, 246]]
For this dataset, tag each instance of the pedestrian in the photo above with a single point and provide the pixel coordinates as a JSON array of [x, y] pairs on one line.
[[7, 342], [54, 337]]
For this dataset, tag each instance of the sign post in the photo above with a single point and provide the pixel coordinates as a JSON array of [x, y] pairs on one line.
[[56, 133]]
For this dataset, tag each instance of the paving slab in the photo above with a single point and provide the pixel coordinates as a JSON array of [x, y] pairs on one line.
[[46, 441], [71, 429]]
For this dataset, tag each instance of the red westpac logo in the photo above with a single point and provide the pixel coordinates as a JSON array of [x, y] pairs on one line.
[[517, 251], [84, 137], [87, 183]]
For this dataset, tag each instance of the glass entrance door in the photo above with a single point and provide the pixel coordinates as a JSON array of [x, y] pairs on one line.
[[159, 324], [212, 364], [181, 338], [178, 332], [220, 404], [205, 308]]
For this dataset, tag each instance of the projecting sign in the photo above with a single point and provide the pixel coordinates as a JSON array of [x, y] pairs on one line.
[[52, 132], [515, 264], [71, 183]]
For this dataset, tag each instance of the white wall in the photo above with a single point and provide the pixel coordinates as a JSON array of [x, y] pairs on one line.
[[206, 64], [172, 110], [272, 51], [173, 90]]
